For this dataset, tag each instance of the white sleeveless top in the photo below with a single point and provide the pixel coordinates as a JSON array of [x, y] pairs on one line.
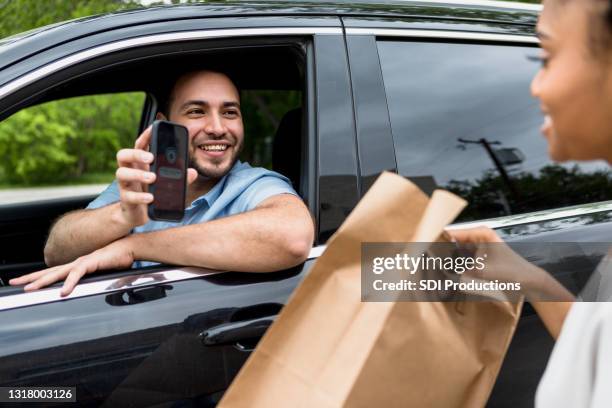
[[579, 372]]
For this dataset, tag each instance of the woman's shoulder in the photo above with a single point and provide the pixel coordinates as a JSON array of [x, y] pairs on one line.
[[591, 313]]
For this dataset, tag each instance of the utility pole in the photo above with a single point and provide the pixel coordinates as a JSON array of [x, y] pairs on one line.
[[498, 165]]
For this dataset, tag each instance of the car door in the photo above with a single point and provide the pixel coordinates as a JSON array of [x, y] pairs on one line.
[[164, 334], [451, 109]]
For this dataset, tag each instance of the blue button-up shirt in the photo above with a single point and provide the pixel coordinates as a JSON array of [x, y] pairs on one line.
[[242, 189]]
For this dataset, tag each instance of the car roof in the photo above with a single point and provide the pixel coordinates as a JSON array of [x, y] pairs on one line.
[[35, 42], [490, 10]]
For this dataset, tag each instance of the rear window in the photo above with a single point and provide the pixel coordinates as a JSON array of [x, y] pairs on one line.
[[463, 120]]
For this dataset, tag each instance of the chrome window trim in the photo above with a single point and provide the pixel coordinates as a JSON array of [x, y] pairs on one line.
[[487, 3], [115, 284], [317, 251], [443, 34], [539, 216], [156, 39], [518, 219], [103, 286]]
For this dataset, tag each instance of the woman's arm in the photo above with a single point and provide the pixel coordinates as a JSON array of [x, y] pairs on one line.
[[552, 315], [550, 299]]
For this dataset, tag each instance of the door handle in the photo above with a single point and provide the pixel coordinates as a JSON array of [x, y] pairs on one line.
[[235, 332], [136, 296]]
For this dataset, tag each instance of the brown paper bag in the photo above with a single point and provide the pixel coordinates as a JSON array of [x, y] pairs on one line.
[[329, 349]]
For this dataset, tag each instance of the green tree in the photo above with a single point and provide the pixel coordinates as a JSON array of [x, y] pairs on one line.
[[553, 186], [17, 16], [64, 140], [27, 149]]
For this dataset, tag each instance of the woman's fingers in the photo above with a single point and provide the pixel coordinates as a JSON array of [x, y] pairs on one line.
[[474, 235]]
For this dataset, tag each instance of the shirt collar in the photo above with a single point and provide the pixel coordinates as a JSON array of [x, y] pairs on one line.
[[214, 193]]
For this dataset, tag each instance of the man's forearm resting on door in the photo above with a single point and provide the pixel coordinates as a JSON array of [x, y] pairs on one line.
[[81, 232], [277, 234]]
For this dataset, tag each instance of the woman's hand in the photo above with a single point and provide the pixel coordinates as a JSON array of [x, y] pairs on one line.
[[550, 299], [500, 261]]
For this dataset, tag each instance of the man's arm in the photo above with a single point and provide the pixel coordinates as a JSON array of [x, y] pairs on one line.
[[276, 235], [82, 232]]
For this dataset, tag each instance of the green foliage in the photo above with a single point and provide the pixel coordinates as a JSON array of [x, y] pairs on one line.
[[63, 140], [554, 186], [17, 16], [26, 148]]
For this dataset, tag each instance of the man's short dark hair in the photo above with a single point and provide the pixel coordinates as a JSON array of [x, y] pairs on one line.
[[166, 97]]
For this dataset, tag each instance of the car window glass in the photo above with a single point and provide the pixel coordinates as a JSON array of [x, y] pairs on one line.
[[463, 119], [66, 147], [263, 111]]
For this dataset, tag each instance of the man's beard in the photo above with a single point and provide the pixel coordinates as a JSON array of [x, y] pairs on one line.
[[215, 172]]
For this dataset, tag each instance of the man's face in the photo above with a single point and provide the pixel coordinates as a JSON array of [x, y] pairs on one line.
[[574, 85], [208, 105]]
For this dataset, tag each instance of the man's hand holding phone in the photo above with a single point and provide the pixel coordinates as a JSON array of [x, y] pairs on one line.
[[134, 176]]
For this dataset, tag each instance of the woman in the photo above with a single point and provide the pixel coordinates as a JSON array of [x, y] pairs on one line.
[[574, 86]]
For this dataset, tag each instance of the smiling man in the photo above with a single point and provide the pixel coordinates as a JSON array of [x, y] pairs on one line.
[[237, 217]]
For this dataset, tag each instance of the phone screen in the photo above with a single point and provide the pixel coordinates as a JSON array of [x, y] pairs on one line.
[[169, 146]]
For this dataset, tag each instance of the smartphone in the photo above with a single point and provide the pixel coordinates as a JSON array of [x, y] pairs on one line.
[[169, 148]]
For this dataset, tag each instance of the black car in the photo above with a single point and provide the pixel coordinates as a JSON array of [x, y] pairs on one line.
[[435, 91]]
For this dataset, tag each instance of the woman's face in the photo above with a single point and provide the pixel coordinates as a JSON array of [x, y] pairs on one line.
[[574, 84]]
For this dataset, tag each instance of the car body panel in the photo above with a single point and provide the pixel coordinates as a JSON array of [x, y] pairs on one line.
[[145, 332], [337, 177], [100, 341]]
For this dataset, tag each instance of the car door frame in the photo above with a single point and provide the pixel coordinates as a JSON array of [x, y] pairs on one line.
[[53, 321]]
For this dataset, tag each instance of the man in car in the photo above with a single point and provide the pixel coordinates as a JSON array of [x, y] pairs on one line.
[[237, 217]]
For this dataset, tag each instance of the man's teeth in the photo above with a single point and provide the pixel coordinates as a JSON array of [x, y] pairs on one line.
[[214, 148]]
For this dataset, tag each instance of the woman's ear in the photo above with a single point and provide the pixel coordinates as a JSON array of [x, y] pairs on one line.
[[160, 116]]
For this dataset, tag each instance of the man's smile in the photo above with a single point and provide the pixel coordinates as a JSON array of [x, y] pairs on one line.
[[214, 148]]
